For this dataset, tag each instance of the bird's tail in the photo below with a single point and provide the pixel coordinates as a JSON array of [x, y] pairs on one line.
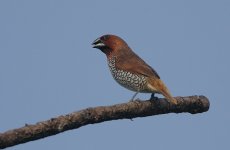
[[162, 89]]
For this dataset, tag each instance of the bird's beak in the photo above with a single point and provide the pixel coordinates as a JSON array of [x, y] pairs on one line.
[[98, 43]]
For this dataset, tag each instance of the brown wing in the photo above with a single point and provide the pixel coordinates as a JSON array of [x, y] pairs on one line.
[[131, 62]]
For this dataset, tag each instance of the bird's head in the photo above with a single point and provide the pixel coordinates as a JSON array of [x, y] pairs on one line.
[[109, 44]]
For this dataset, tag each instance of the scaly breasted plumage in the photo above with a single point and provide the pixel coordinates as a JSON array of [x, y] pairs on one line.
[[128, 69]]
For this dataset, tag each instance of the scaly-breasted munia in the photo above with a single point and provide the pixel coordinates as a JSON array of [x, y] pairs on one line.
[[129, 70]]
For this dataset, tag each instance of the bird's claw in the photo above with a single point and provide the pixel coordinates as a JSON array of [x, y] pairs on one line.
[[154, 98], [137, 100]]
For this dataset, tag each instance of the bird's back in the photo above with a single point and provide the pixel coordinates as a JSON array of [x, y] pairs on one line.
[[130, 61]]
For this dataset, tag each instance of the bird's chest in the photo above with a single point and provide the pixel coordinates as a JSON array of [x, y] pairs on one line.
[[127, 79]]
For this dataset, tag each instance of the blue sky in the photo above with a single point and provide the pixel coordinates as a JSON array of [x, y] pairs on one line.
[[48, 68]]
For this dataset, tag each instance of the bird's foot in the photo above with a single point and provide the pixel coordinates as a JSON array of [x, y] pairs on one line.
[[133, 100], [138, 100], [134, 97], [154, 98]]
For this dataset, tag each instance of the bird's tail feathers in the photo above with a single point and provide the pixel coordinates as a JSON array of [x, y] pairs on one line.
[[162, 89]]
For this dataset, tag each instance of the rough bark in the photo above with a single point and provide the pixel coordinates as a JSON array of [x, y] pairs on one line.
[[130, 110]]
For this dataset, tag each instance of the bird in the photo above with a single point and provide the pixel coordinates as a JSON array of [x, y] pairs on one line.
[[129, 70]]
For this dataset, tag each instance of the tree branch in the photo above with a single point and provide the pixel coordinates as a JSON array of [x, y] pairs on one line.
[[191, 104]]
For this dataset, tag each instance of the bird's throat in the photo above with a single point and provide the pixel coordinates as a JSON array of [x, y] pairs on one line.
[[106, 51]]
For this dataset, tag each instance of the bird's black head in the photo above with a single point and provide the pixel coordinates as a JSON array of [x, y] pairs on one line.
[[108, 43]]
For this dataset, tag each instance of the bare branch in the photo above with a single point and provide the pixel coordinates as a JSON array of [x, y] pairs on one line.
[[134, 109]]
